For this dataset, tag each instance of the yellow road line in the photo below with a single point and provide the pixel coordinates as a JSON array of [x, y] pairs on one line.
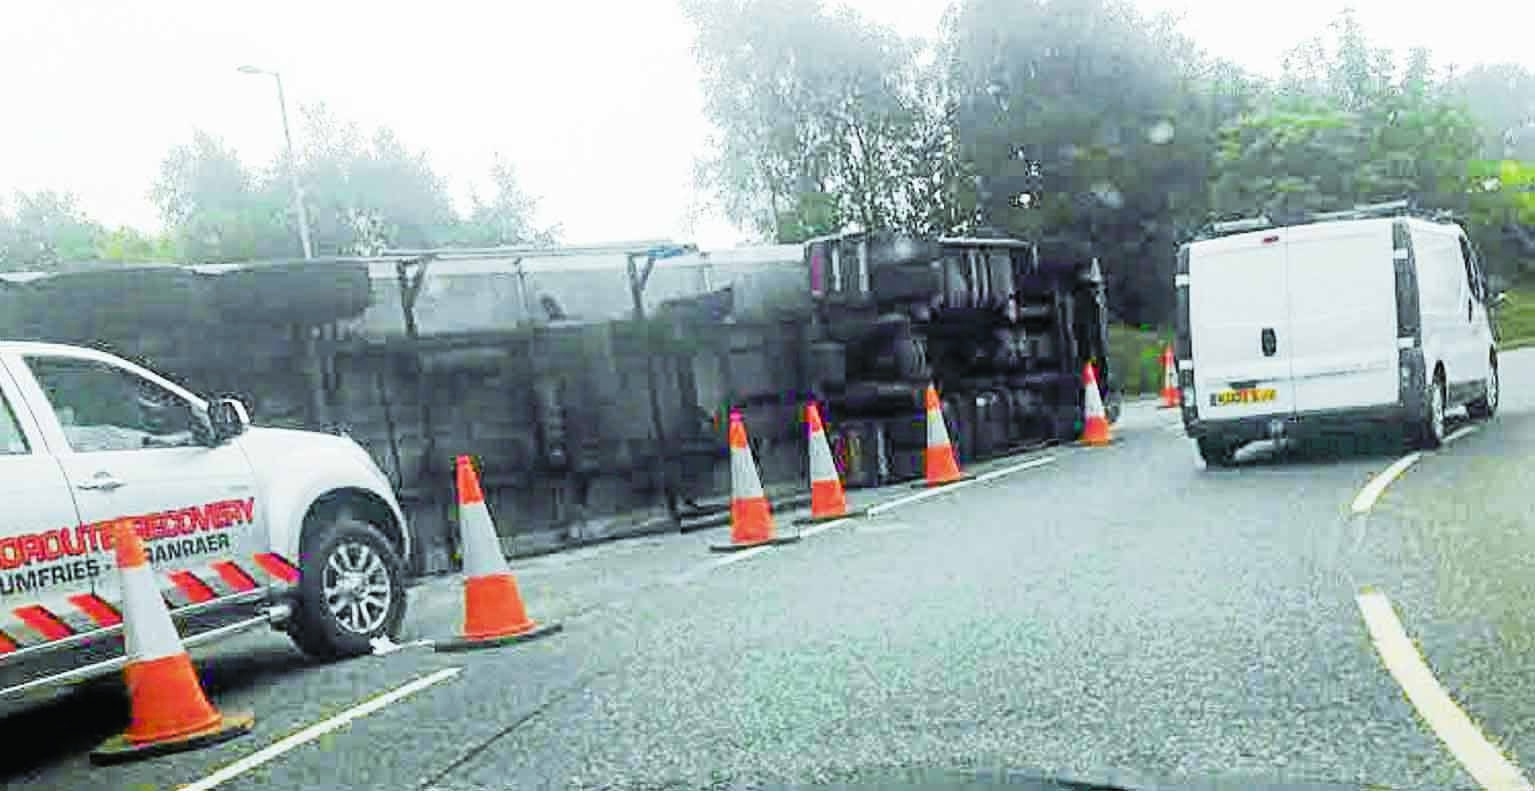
[[1372, 490]]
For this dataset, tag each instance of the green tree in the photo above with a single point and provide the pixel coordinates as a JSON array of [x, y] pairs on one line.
[[1501, 96], [506, 218], [1086, 125], [815, 113], [215, 209], [127, 244], [1343, 127], [1500, 213], [365, 194], [44, 229]]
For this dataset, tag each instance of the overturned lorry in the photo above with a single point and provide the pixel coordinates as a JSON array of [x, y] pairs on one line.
[[591, 383]]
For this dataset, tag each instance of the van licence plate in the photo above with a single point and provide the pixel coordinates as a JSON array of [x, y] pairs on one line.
[[1249, 395]]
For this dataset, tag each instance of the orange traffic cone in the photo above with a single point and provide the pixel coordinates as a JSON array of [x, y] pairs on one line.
[[1095, 426], [941, 465], [751, 518], [493, 611], [827, 500], [1170, 398], [170, 713]]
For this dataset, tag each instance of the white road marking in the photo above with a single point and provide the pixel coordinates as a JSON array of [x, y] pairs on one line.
[[747, 554], [1464, 740], [383, 646], [737, 557], [1460, 432], [317, 730], [1372, 490], [824, 526], [988, 476]]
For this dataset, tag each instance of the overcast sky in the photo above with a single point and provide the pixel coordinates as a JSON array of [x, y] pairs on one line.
[[595, 101]]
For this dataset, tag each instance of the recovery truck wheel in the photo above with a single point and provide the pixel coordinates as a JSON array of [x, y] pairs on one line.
[[351, 589]]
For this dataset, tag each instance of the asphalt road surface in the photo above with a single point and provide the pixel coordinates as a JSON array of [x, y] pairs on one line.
[[1324, 614]]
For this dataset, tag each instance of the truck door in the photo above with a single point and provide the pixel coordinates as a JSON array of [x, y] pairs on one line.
[[1239, 324], [38, 570], [1343, 352], [132, 446]]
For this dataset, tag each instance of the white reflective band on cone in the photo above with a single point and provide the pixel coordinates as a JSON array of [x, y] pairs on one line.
[[821, 466], [1094, 401], [744, 483], [147, 624], [937, 432], [482, 551]]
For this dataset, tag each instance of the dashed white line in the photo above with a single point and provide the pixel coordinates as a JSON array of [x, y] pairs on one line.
[[1372, 490], [737, 557], [988, 476], [317, 730], [1464, 740], [747, 554], [822, 527]]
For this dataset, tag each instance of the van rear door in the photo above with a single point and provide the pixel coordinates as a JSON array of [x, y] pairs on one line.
[[1239, 323], [1343, 352]]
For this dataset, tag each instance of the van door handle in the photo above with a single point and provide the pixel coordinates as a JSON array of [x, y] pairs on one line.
[[1270, 342], [100, 482]]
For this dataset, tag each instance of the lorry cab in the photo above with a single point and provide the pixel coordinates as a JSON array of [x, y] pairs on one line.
[[1370, 318]]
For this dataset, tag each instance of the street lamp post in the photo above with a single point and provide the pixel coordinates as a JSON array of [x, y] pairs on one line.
[[298, 190]]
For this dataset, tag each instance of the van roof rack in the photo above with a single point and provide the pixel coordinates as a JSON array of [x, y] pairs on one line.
[[1402, 207]]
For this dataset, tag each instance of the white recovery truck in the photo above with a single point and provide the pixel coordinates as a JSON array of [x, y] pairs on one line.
[[245, 526]]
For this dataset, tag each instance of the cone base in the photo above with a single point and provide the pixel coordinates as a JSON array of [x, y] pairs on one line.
[[924, 484], [118, 749], [454, 644], [848, 514], [751, 544], [1094, 443]]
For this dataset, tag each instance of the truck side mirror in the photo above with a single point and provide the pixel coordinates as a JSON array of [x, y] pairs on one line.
[[228, 418]]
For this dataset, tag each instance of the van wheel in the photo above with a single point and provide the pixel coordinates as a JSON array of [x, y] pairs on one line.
[[1217, 452], [1487, 406], [351, 590], [1430, 432]]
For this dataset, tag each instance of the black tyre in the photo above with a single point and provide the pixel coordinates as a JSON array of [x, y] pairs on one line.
[[910, 359], [1429, 431], [1217, 452], [1487, 406], [351, 589]]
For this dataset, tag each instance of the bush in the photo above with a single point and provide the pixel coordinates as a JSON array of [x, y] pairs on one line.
[[1516, 317], [1135, 358]]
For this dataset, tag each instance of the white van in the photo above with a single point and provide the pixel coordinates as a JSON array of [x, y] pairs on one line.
[[1369, 318]]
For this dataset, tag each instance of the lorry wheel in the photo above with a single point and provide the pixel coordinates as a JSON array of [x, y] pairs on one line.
[[351, 590], [1217, 452], [1486, 406]]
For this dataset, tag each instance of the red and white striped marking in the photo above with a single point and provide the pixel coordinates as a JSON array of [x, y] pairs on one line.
[[58, 616]]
